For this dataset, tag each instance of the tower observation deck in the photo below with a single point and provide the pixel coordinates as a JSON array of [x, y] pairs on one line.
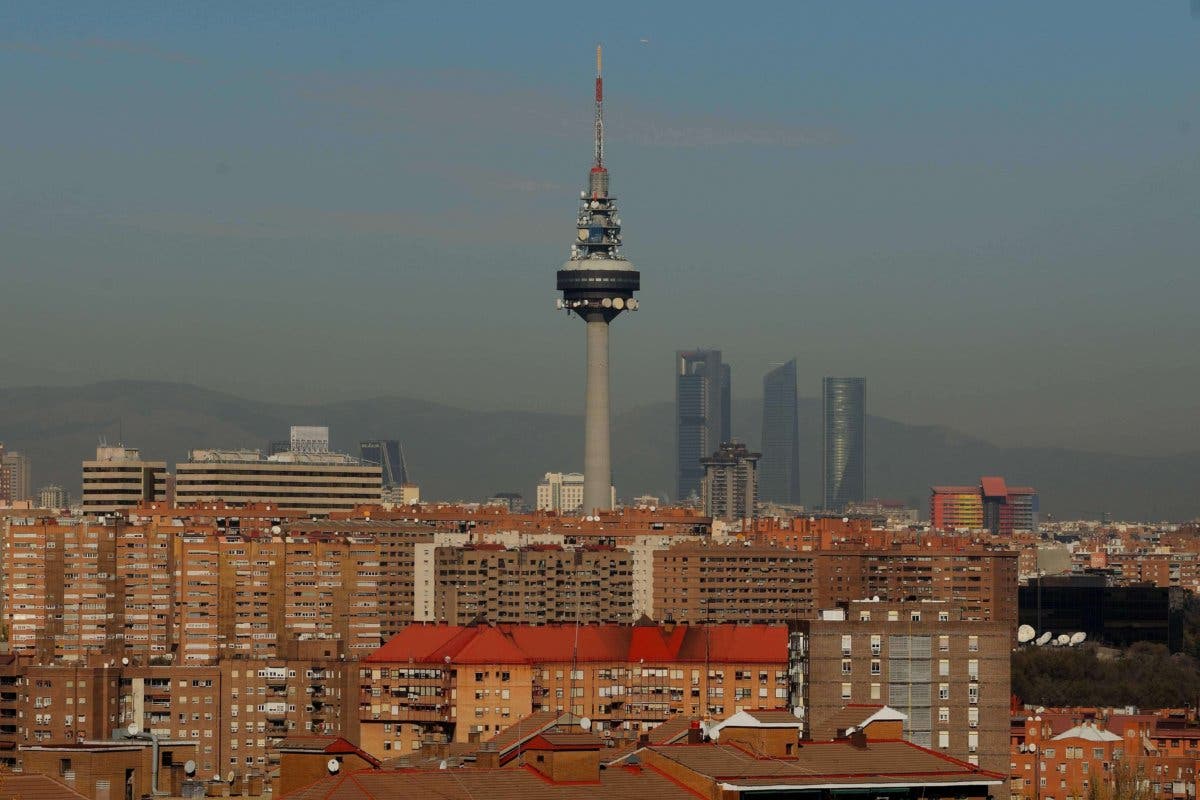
[[597, 284]]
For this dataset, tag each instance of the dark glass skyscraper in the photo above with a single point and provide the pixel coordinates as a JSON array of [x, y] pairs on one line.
[[699, 415], [387, 454], [843, 465], [779, 470]]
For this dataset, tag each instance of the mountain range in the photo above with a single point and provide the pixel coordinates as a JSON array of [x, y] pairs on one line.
[[458, 453]]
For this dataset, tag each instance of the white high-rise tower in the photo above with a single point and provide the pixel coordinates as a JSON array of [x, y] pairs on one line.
[[597, 284]]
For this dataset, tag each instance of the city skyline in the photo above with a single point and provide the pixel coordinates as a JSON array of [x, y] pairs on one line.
[[1058, 197]]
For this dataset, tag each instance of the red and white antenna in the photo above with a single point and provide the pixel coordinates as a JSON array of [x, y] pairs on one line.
[[599, 156]]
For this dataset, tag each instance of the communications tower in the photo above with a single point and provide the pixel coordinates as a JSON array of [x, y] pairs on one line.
[[597, 284]]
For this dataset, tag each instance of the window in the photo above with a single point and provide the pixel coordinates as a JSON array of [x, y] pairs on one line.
[[875, 691], [943, 616], [973, 644], [973, 669], [846, 666], [944, 644], [876, 643], [846, 639], [943, 714], [875, 666], [915, 616], [944, 668], [845, 691], [943, 691], [943, 739]]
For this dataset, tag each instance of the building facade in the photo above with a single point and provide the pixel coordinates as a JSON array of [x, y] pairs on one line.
[[730, 487], [15, 478], [314, 482], [949, 676], [992, 505], [388, 454], [119, 478], [779, 471], [843, 446], [699, 416]]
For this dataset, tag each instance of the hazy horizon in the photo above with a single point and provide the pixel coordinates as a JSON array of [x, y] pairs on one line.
[[988, 212]]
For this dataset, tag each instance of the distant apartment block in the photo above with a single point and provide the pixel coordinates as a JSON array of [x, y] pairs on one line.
[[119, 478], [53, 497], [992, 505], [536, 584], [730, 486], [311, 481], [15, 477], [562, 493]]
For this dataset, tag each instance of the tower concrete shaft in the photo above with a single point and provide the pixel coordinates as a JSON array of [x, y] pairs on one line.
[[597, 455]]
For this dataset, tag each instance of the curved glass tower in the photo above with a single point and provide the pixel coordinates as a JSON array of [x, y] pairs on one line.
[[843, 416]]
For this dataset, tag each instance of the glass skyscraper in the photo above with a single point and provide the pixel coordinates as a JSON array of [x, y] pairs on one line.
[[779, 470], [843, 465], [700, 419], [387, 454]]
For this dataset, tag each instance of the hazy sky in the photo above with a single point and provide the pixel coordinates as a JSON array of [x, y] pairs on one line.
[[991, 211]]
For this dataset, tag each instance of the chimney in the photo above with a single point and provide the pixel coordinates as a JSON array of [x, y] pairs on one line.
[[695, 735], [858, 739]]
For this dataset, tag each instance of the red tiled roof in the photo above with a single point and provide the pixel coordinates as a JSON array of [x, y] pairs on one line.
[[994, 487], [534, 644]]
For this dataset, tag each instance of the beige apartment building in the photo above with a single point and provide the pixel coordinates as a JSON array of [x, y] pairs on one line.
[[313, 482], [119, 478], [949, 675]]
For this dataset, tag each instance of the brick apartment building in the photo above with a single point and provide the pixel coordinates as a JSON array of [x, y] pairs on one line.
[[460, 684], [949, 675], [536, 584], [742, 582]]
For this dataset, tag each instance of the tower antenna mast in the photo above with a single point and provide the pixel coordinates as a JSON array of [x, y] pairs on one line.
[[599, 156]]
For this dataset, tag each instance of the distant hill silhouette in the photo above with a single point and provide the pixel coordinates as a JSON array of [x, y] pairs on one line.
[[457, 453]]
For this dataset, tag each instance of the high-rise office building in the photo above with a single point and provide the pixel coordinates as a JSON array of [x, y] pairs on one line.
[[726, 402], [562, 493], [53, 497], [597, 284], [730, 487], [14, 476], [316, 481], [779, 470], [843, 462], [699, 416], [388, 454]]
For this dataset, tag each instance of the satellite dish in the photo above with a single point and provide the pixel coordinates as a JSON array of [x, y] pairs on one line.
[[1078, 637], [190, 767], [618, 303], [1064, 639], [217, 778], [275, 529], [1033, 748], [133, 728], [586, 723], [230, 779], [714, 733], [1025, 633], [333, 765], [1045, 637], [125, 662], [442, 764]]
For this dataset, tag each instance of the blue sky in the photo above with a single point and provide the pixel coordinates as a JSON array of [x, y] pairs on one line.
[[990, 211]]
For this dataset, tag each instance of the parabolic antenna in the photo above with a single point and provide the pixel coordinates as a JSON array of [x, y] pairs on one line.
[[332, 765], [1064, 639], [1078, 637], [1045, 637], [190, 767], [1025, 633], [586, 723]]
